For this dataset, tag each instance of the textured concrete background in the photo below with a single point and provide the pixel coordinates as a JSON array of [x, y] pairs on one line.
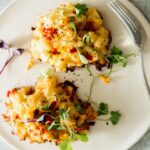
[[144, 6]]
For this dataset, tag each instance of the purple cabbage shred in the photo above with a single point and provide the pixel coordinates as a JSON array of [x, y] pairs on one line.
[[11, 53]]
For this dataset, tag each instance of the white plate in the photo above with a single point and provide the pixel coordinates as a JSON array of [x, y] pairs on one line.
[[126, 92]]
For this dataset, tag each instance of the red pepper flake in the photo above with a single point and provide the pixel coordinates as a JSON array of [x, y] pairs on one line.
[[73, 50], [54, 52], [38, 127], [42, 130], [89, 57], [17, 116], [8, 93], [49, 33], [13, 91]]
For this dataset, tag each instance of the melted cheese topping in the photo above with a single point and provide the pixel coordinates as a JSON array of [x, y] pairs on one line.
[[55, 42]]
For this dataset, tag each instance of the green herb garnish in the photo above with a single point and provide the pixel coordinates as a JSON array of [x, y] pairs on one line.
[[72, 25], [61, 127], [115, 116], [89, 70], [116, 51], [81, 9], [116, 57], [92, 83], [103, 109], [78, 107], [65, 145], [83, 59], [81, 137], [52, 126], [64, 113], [44, 107], [87, 39]]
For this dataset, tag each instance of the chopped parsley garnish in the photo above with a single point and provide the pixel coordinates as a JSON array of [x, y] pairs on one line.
[[115, 116], [103, 109], [81, 9]]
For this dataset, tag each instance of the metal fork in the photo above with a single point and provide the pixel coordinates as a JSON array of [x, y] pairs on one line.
[[130, 21], [135, 27]]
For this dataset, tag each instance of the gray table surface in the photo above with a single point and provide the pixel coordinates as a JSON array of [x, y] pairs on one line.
[[144, 6]]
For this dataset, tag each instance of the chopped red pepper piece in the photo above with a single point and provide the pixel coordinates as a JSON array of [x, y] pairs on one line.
[[8, 93], [11, 92], [73, 50], [17, 116], [38, 127], [89, 57], [42, 130], [54, 52]]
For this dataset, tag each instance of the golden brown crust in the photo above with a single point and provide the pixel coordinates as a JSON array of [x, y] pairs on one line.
[[32, 110]]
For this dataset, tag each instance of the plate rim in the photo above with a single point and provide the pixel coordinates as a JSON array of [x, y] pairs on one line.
[[145, 25]]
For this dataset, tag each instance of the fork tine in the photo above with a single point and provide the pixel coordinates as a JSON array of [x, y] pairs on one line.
[[130, 21]]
